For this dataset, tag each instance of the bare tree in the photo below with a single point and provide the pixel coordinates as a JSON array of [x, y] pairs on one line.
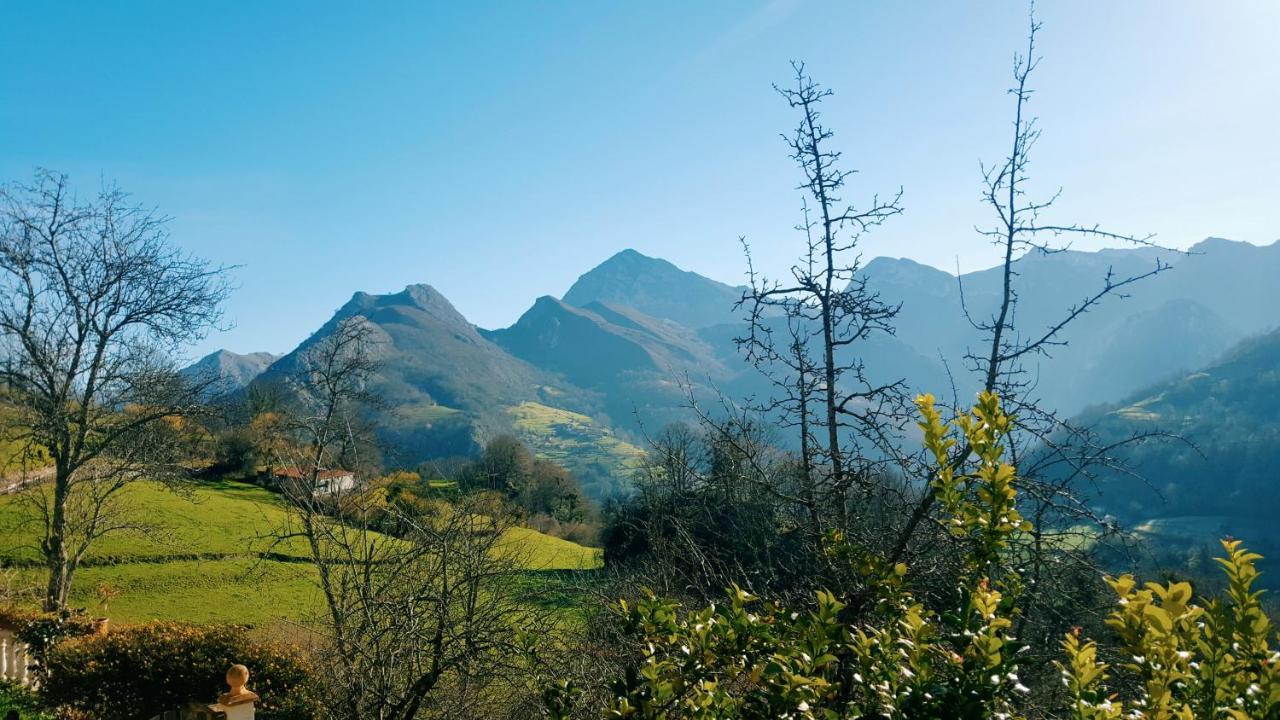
[[1019, 231], [94, 303], [422, 607], [807, 332]]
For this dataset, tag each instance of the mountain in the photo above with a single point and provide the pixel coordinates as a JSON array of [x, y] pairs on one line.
[[641, 366], [656, 288], [448, 384], [230, 371], [597, 343], [1215, 294], [1228, 462], [581, 378], [448, 388], [1220, 476]]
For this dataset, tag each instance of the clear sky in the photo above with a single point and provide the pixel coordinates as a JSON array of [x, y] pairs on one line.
[[499, 150]]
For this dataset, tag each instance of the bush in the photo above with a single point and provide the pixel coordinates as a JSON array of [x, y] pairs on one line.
[[146, 670], [881, 653], [42, 631], [14, 698]]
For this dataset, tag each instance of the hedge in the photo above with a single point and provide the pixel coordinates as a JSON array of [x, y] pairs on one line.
[[142, 671]]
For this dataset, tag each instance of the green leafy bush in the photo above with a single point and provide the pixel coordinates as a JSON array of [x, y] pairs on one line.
[[14, 698], [145, 670], [877, 652]]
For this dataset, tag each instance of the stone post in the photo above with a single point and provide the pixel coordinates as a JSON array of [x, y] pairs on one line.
[[239, 702]]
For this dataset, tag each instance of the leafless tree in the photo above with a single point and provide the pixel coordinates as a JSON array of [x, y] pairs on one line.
[[94, 303], [1019, 231], [807, 332], [422, 607]]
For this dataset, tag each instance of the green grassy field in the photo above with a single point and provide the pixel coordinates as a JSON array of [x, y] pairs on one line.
[[212, 557], [571, 438]]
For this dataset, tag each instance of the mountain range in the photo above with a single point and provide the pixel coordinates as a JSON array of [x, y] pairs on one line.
[[625, 350]]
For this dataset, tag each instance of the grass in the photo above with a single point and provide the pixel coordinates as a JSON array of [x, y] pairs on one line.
[[571, 438], [205, 562], [538, 551], [1140, 410], [206, 521]]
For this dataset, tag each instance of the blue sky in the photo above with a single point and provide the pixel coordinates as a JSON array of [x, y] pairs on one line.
[[499, 150]]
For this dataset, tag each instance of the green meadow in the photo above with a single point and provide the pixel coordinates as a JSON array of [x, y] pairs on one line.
[[212, 557]]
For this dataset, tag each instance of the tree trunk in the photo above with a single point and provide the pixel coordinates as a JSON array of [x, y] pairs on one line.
[[55, 545]]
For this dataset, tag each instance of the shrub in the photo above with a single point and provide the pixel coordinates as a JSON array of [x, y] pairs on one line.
[[146, 670], [14, 698], [879, 653], [42, 631]]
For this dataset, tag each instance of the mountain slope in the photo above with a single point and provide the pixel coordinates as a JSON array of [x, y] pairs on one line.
[[448, 385], [597, 343], [449, 389], [642, 366], [1229, 464], [230, 371], [656, 288]]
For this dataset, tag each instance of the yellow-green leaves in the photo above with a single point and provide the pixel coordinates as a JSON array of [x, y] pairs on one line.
[[877, 652], [981, 504], [1190, 661]]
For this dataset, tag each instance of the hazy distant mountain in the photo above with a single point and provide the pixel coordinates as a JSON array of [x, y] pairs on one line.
[[1180, 319], [1221, 478], [656, 288], [633, 336], [1226, 412], [231, 371]]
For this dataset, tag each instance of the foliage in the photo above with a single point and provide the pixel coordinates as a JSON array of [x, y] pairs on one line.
[[537, 486], [876, 650], [43, 631], [706, 513], [149, 669], [1214, 660], [25, 702]]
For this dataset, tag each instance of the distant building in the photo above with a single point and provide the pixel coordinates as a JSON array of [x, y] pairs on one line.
[[328, 482]]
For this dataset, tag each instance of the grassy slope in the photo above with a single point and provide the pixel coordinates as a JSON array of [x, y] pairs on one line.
[[571, 438], [204, 564]]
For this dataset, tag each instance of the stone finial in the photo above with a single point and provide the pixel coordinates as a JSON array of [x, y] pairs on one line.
[[237, 679]]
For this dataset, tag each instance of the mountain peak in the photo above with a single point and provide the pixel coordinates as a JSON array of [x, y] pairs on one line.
[[656, 288], [1218, 244], [418, 295], [230, 370]]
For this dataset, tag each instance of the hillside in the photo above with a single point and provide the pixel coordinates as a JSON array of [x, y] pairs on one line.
[[641, 367], [214, 540], [1227, 411], [1223, 478], [448, 387]]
